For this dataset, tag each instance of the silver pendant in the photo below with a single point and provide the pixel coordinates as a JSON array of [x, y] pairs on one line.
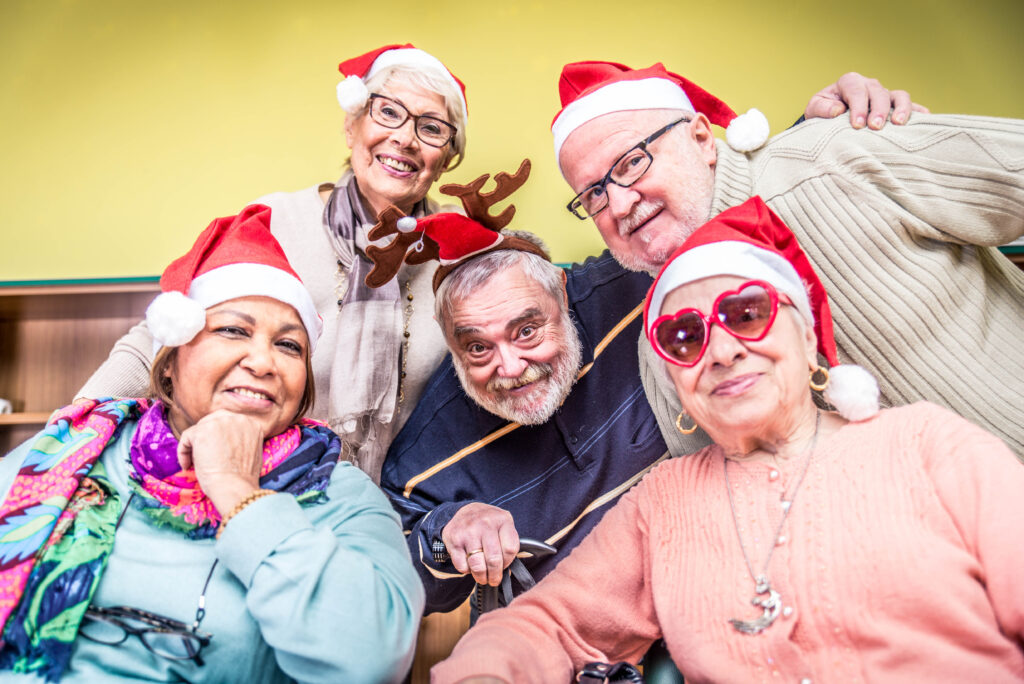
[[770, 604]]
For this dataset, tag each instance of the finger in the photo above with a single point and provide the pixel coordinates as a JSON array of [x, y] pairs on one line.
[[853, 89], [824, 105], [508, 537], [494, 557], [458, 558], [856, 98], [458, 539], [879, 103], [920, 108], [478, 567], [185, 450], [901, 106]]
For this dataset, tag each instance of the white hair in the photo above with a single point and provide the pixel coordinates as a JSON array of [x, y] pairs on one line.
[[476, 273]]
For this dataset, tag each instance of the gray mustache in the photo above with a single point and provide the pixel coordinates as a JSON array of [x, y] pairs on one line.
[[641, 213], [533, 373]]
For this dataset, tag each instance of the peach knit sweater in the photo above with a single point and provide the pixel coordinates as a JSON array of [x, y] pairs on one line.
[[902, 561]]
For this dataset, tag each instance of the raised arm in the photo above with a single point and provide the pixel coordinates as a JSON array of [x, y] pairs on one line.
[[867, 100], [953, 178]]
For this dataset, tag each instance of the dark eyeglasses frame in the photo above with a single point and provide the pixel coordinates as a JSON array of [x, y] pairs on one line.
[[415, 120], [602, 184], [713, 319], [161, 624], [195, 641]]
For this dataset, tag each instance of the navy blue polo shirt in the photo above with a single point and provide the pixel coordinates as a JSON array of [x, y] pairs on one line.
[[556, 479]]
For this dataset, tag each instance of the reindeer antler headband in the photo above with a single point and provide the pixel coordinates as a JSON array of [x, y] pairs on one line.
[[449, 238]]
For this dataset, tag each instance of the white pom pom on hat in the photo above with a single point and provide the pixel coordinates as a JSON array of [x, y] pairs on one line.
[[750, 241], [352, 94], [236, 256], [748, 132], [173, 319], [593, 88], [853, 391], [406, 224]]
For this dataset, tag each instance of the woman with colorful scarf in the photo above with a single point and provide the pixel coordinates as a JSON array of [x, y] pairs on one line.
[[208, 534]]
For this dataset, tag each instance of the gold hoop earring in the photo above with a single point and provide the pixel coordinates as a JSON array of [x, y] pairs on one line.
[[679, 424], [818, 387]]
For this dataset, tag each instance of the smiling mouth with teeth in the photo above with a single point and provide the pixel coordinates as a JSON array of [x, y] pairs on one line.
[[396, 164], [250, 393]]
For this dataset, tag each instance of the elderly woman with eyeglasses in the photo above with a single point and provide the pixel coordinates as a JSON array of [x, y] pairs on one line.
[[804, 544], [209, 534], [405, 126]]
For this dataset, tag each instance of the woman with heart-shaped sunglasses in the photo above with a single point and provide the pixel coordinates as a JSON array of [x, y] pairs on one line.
[[816, 538]]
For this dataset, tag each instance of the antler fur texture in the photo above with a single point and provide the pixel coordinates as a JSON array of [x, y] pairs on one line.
[[478, 204]]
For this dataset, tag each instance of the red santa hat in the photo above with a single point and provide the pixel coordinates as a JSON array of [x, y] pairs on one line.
[[750, 241], [460, 238], [591, 89], [235, 256], [352, 92]]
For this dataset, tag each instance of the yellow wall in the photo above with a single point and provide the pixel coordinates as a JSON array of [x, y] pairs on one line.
[[128, 125]]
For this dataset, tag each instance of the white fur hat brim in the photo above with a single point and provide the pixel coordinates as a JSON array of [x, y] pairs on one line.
[[174, 319]]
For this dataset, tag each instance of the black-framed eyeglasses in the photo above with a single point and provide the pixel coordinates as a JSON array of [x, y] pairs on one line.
[[626, 170], [429, 129], [162, 636]]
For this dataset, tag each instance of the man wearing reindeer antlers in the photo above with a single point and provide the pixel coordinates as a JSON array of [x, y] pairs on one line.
[[901, 224], [511, 450]]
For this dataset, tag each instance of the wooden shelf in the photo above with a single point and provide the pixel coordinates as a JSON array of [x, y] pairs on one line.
[[32, 418], [75, 300], [52, 337]]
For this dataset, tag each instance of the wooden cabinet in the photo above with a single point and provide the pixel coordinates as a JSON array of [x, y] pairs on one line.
[[52, 337]]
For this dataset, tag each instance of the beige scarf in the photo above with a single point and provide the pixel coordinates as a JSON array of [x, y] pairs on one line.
[[364, 386]]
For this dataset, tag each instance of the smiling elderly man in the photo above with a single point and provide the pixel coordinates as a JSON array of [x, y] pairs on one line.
[[901, 224], [509, 449]]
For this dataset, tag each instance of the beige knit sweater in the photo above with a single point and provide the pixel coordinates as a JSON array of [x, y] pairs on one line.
[[901, 226]]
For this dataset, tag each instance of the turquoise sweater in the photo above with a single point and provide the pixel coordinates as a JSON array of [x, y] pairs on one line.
[[319, 593]]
